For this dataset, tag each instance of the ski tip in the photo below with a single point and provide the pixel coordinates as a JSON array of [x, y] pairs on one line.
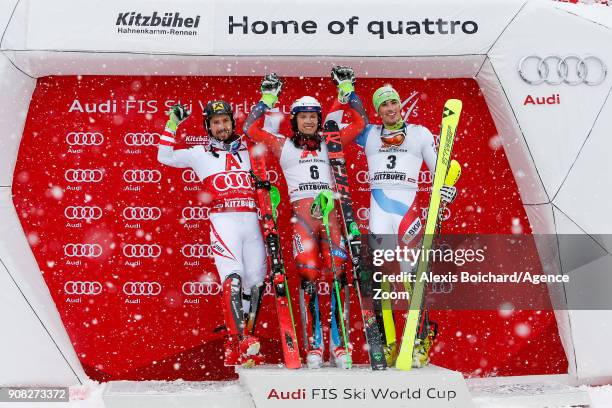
[[456, 102], [452, 107]]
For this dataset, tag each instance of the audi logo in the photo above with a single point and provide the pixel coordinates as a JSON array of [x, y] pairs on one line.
[[363, 177], [82, 250], [446, 212], [323, 288], [556, 70], [141, 139], [201, 288], [82, 288], [272, 176], [83, 175], [189, 176], [84, 139], [363, 213], [196, 251], [142, 288], [141, 176], [142, 250], [232, 181], [75, 212], [440, 287], [426, 177], [196, 213], [141, 213]]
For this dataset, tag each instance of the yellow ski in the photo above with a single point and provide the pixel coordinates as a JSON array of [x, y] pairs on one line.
[[450, 119]]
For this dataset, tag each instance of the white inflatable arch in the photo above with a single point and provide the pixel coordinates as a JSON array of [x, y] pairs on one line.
[[556, 135]]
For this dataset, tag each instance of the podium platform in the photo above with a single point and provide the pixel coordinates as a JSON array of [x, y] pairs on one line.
[[360, 387], [183, 394], [273, 386]]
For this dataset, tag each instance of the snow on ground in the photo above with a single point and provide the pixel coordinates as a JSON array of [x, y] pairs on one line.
[[90, 396]]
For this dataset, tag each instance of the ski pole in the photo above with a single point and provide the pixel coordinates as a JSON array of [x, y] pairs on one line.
[[326, 203]]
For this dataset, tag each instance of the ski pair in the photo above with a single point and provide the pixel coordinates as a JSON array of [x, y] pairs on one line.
[[362, 276], [450, 120], [321, 208], [268, 199]]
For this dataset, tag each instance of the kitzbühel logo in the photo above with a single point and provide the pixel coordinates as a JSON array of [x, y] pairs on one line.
[[156, 20], [172, 23]]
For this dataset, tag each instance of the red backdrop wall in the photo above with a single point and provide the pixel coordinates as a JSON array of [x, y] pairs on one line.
[[156, 230]]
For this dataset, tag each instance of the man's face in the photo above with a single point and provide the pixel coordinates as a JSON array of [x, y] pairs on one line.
[[221, 126], [307, 122], [389, 111]]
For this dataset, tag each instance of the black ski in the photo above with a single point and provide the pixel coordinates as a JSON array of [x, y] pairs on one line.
[[362, 277]]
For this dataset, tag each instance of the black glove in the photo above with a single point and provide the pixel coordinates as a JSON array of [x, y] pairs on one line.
[[342, 74], [271, 84], [180, 113]]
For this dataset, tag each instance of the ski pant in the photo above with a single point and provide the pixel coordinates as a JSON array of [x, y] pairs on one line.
[[394, 222], [311, 252], [238, 248], [395, 216], [313, 259]]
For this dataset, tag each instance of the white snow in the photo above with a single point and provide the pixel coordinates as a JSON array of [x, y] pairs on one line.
[[89, 395]]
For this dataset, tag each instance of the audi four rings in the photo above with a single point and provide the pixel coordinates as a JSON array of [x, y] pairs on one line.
[[142, 288], [189, 176], [363, 213], [141, 176], [556, 70], [232, 181], [82, 288], [141, 213], [446, 214], [84, 139], [272, 176], [142, 250], [141, 139], [197, 251], [82, 212], [201, 288], [83, 175], [196, 213], [323, 288], [82, 250]]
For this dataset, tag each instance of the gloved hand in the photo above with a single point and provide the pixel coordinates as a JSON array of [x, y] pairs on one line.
[[177, 114], [448, 193], [344, 78], [271, 87]]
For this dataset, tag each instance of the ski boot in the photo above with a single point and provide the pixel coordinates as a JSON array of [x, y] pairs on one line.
[[422, 345], [249, 352], [339, 358], [314, 358], [390, 353]]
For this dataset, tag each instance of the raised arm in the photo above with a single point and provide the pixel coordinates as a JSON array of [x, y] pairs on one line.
[[254, 125], [344, 78], [165, 152]]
